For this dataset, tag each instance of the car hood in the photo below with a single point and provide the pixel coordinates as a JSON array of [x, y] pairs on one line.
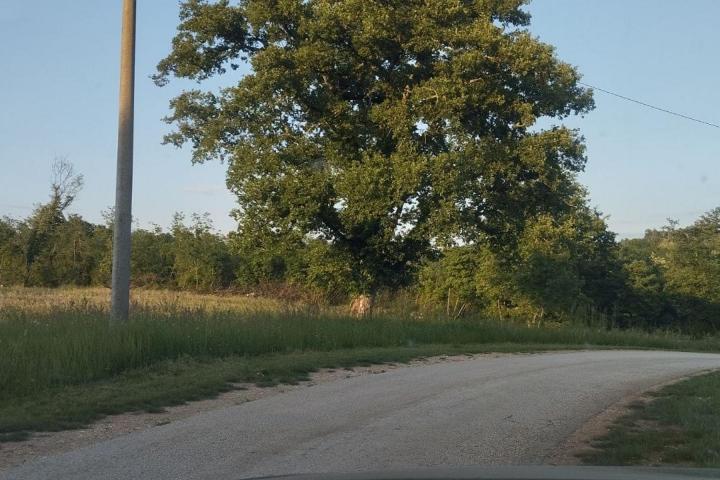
[[522, 473]]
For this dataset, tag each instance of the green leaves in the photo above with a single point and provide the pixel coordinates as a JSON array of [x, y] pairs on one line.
[[210, 36], [674, 274], [201, 259], [384, 128]]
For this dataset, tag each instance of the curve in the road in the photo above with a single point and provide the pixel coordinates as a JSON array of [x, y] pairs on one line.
[[513, 409]]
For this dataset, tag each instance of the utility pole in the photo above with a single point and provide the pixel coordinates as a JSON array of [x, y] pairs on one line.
[[120, 303]]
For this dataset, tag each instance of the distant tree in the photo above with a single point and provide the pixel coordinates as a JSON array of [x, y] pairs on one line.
[[264, 260], [201, 257], [691, 258], [77, 251], [644, 272], [41, 242], [386, 129], [674, 276], [104, 238], [11, 253], [152, 259]]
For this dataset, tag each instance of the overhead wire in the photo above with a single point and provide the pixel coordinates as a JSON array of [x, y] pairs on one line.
[[664, 110]]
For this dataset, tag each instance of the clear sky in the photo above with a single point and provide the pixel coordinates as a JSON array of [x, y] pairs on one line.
[[58, 97]]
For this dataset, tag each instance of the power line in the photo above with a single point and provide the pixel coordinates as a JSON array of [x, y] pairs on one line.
[[650, 106]]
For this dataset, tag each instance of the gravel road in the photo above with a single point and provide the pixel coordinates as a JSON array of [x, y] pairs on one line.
[[510, 409]]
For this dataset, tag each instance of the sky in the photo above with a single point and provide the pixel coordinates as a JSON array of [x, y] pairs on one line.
[[59, 88]]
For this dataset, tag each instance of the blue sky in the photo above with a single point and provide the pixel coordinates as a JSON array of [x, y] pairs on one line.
[[58, 97]]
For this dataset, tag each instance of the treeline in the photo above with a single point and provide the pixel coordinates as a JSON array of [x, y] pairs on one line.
[[560, 268], [52, 251], [669, 279], [673, 274]]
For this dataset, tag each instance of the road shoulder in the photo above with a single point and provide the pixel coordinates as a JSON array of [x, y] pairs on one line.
[[52, 443], [584, 439]]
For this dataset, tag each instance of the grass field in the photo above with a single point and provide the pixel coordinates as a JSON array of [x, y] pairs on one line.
[[64, 365], [679, 425], [95, 299]]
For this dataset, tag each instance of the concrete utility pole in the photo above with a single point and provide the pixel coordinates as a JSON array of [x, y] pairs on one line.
[[120, 304]]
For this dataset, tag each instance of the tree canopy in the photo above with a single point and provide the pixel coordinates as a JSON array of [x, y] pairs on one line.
[[386, 128]]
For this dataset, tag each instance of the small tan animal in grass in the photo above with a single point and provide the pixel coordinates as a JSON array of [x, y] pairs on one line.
[[361, 306]]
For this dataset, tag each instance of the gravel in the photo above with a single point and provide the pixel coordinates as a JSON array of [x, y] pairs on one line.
[[515, 409]]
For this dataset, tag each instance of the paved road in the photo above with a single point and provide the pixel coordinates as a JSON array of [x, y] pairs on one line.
[[506, 410]]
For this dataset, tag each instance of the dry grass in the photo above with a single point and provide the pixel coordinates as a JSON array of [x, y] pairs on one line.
[[38, 300], [48, 300]]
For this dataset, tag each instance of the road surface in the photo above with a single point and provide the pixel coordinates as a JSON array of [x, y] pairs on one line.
[[511, 409]]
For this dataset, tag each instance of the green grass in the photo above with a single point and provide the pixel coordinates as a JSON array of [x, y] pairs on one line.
[[679, 425], [70, 348], [67, 368]]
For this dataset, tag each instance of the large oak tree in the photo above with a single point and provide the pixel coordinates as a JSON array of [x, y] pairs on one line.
[[387, 128]]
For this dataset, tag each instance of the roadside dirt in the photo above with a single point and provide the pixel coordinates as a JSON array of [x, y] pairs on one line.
[[51, 443]]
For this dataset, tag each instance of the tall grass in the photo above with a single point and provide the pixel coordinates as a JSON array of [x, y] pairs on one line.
[[66, 347], [93, 299]]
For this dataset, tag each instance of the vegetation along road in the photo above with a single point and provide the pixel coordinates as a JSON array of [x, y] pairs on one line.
[[515, 409]]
